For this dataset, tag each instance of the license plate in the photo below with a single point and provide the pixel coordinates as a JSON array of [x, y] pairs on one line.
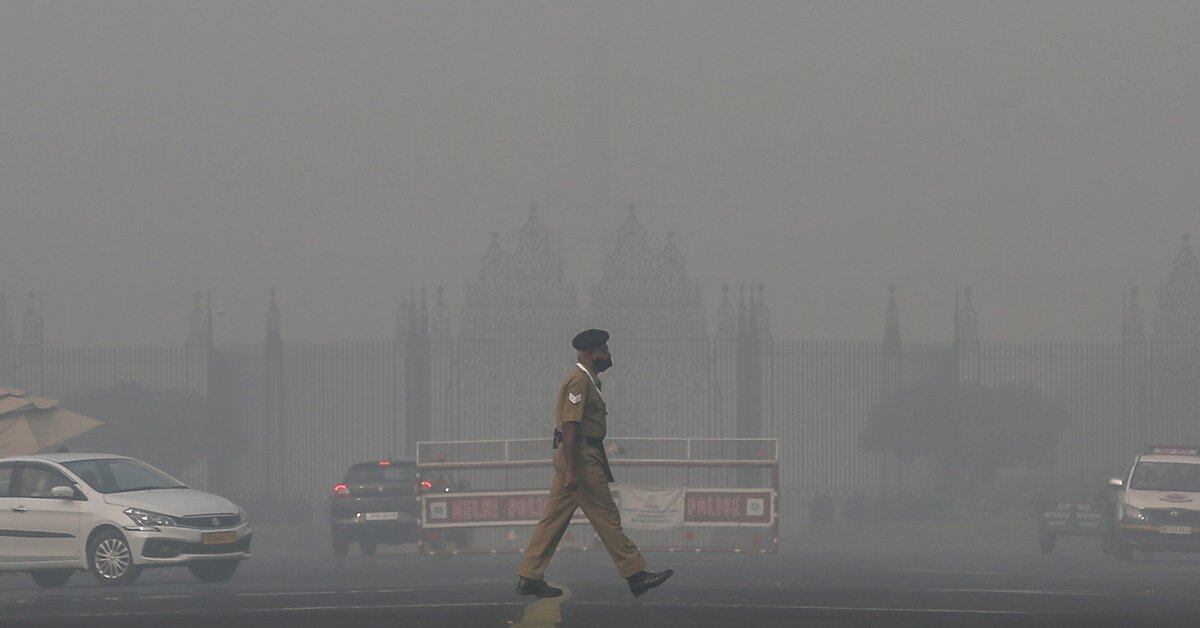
[[1175, 530], [382, 516], [219, 538]]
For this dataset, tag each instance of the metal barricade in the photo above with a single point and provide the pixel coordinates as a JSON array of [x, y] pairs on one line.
[[675, 495]]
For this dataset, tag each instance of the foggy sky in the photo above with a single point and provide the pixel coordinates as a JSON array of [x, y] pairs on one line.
[[1045, 153]]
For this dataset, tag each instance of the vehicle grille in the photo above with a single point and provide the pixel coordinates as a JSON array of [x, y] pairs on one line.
[[1163, 517], [209, 521]]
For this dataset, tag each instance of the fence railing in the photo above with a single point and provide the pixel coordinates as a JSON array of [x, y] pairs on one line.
[[620, 450], [346, 402]]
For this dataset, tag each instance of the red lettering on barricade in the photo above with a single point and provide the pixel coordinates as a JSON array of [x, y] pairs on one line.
[[715, 507], [481, 509]]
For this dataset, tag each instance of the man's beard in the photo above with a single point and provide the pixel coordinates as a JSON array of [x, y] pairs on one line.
[[602, 364]]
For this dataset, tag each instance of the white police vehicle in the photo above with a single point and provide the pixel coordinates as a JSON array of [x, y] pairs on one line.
[[113, 516], [1159, 504]]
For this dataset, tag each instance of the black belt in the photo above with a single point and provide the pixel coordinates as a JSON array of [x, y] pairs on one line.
[[594, 442]]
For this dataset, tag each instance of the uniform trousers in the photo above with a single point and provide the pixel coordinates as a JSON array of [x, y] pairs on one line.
[[593, 496]]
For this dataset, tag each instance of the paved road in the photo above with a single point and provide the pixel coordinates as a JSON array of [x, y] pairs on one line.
[[780, 590]]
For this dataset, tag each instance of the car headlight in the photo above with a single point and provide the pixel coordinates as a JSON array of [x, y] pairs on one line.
[[1130, 513], [149, 519]]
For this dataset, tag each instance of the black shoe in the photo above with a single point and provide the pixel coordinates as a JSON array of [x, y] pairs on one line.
[[643, 581], [525, 586]]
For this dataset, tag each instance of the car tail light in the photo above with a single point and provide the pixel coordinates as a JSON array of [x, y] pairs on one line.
[[341, 490], [385, 463], [426, 484]]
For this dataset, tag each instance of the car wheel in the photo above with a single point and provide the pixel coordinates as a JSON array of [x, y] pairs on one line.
[[51, 578], [110, 559], [341, 547], [367, 548], [215, 570]]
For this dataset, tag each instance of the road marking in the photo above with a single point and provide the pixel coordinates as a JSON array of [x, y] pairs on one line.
[[544, 611], [767, 607], [940, 572], [1019, 592], [345, 592], [261, 611], [805, 607], [283, 593]]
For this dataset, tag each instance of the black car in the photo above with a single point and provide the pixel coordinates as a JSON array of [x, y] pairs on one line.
[[375, 503]]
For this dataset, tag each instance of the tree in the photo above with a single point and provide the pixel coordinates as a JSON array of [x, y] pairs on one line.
[[168, 429], [969, 431]]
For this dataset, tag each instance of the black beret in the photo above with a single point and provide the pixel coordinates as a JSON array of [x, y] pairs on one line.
[[589, 339]]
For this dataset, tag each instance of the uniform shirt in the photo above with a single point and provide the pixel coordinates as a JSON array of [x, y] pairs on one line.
[[579, 400]]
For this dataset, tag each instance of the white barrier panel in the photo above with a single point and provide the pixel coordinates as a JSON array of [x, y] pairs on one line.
[[650, 509]]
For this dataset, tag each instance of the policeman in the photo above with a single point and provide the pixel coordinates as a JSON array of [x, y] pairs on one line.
[[581, 477]]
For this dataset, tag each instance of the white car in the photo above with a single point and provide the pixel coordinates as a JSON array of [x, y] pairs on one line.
[[112, 516], [1159, 506]]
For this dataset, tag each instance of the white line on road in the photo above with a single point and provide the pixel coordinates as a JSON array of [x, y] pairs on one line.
[[760, 607], [941, 572], [806, 607], [1019, 592], [283, 593], [260, 611]]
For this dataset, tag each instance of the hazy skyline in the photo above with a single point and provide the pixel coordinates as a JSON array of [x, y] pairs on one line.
[[1045, 154]]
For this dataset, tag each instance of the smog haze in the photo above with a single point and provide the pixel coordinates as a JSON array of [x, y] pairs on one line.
[[1043, 153]]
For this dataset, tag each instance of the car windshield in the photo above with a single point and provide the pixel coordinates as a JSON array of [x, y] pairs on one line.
[[375, 474], [121, 475], [1175, 477]]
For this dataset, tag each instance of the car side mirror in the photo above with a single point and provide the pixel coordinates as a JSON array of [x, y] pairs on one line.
[[63, 492], [1116, 483]]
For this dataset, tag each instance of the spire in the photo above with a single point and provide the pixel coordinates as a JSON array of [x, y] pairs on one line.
[[644, 290], [7, 336], [274, 330], [726, 315], [411, 320], [1185, 260], [402, 319], [967, 329], [1178, 313], [32, 332], [957, 316], [891, 328], [197, 322], [762, 317], [492, 266], [439, 326], [534, 235], [670, 268], [423, 316], [208, 318], [743, 321], [1132, 329]]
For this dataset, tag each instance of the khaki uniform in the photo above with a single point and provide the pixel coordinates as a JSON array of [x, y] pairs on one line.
[[579, 400]]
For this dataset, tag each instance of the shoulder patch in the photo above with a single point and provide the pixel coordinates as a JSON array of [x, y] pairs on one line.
[[573, 398]]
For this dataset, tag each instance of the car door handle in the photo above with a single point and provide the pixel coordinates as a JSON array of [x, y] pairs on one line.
[[20, 509]]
